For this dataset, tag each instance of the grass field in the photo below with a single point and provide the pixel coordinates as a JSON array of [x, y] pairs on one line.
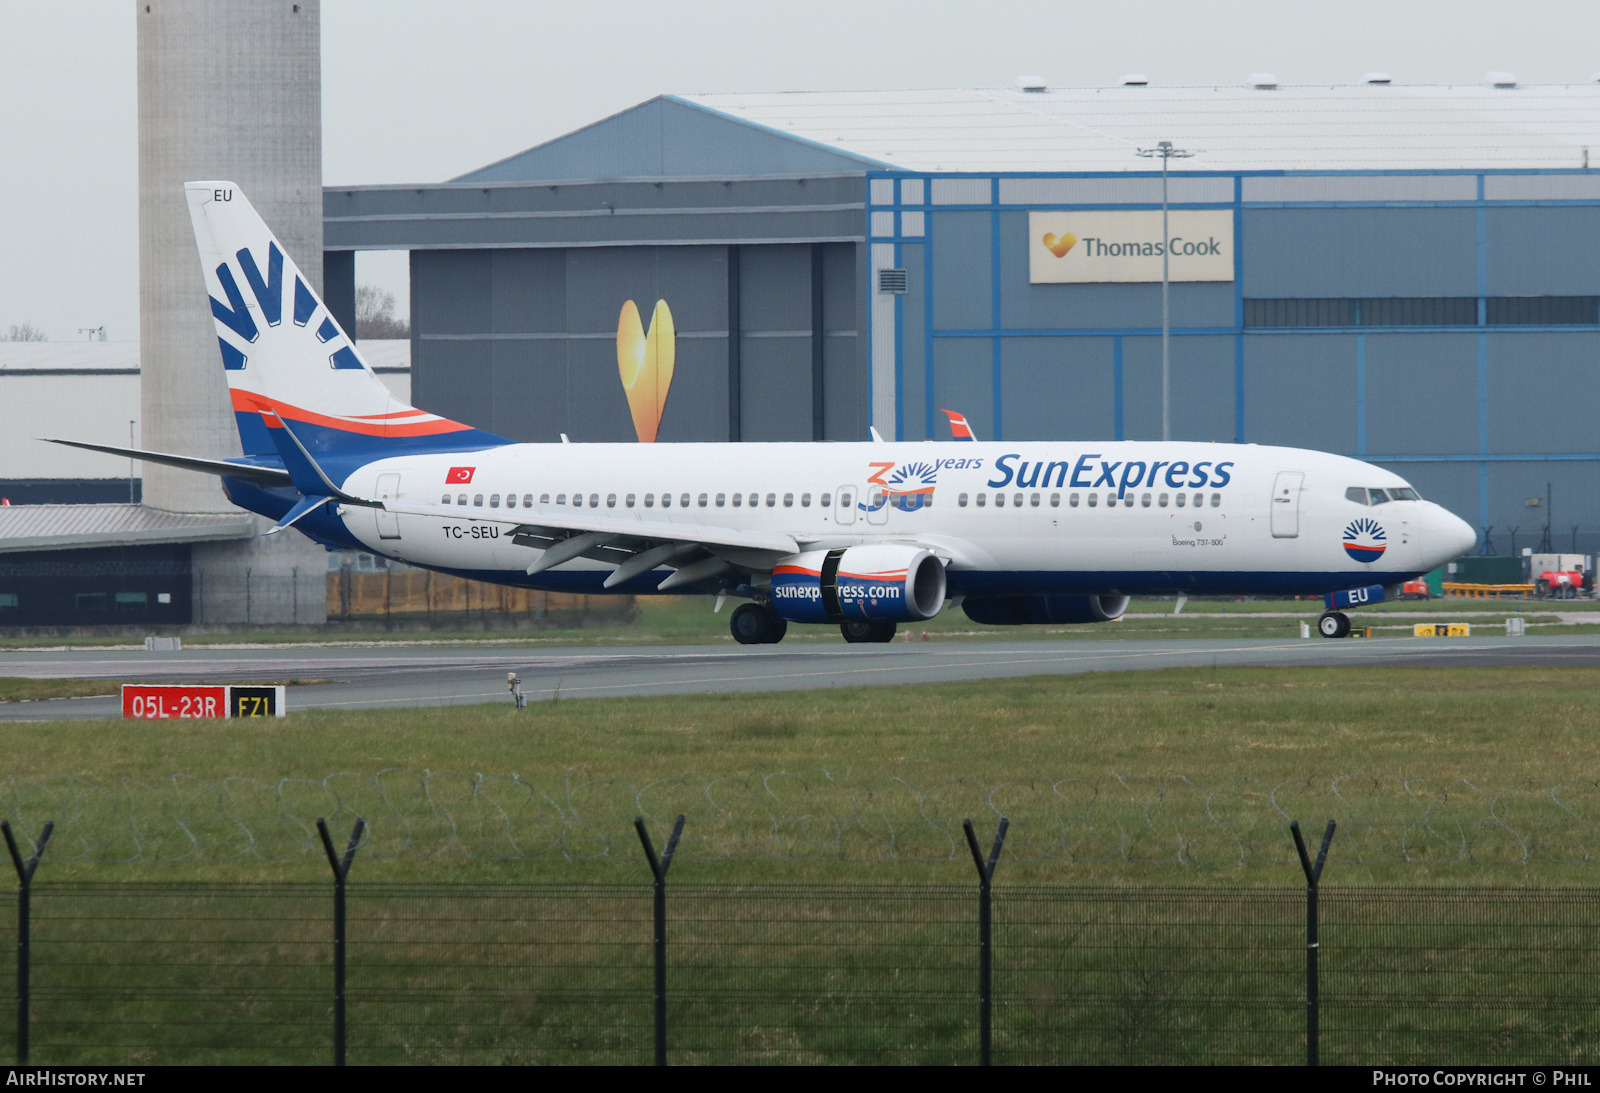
[[822, 905], [1137, 777], [21, 689], [673, 620]]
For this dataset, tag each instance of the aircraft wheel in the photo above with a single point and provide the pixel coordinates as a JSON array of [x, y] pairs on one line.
[[750, 625], [863, 631], [776, 628], [1334, 624]]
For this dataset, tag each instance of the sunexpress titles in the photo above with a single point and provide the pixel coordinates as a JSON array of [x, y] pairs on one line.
[[1091, 472]]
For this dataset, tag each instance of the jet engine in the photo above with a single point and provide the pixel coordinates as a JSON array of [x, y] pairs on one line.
[[1020, 610], [887, 583]]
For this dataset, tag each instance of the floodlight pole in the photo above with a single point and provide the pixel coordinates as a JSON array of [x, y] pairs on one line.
[[1166, 152]]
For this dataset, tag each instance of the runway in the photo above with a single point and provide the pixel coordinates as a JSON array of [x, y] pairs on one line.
[[364, 678]]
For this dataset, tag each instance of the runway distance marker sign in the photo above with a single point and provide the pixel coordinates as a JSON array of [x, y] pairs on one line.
[[185, 702]]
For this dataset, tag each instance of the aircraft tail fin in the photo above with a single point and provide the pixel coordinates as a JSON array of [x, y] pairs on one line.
[[959, 429], [286, 356]]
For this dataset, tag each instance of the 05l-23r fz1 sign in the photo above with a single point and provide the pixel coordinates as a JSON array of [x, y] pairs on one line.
[[179, 702]]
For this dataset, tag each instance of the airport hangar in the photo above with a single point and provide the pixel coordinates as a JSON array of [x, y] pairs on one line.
[[1405, 274]]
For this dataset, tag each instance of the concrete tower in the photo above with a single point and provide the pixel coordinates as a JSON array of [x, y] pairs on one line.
[[228, 89]]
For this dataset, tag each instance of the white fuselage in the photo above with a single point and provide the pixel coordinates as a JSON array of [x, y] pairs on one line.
[[1009, 518]]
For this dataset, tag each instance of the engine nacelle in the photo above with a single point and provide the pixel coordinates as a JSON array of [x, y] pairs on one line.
[[1021, 610], [887, 583]]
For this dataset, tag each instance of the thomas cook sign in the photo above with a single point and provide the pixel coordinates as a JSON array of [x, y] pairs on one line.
[[1097, 247]]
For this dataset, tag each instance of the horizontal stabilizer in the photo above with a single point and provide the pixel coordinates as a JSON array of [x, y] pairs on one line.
[[303, 507], [270, 476]]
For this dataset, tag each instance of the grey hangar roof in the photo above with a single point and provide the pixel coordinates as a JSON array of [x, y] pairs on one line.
[[783, 167], [1321, 128]]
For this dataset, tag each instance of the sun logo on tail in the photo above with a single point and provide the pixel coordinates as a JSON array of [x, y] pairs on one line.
[[1364, 540]]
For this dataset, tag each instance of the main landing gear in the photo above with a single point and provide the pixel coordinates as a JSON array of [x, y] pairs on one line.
[[753, 624], [855, 632], [1334, 624]]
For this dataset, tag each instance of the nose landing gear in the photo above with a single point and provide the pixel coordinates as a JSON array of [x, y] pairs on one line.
[[1334, 624]]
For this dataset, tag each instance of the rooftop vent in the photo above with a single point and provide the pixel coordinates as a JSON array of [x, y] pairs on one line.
[[1262, 81], [1134, 80], [1500, 79], [1376, 77], [1030, 83]]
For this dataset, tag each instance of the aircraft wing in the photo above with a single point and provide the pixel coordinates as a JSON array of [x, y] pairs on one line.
[[634, 542], [271, 476], [633, 525]]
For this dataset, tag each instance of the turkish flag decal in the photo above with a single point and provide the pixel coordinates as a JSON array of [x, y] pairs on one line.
[[459, 476]]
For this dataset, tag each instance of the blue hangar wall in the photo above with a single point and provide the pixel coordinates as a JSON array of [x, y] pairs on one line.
[[1443, 325]]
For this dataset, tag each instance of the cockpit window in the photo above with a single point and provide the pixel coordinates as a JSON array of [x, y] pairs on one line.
[[1372, 495]]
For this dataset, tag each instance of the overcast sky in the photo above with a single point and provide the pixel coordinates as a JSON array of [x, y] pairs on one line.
[[417, 91]]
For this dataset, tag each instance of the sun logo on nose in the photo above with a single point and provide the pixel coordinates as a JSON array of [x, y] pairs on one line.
[[1364, 540]]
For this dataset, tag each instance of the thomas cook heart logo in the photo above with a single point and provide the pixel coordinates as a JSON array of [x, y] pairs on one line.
[[1059, 245], [645, 362]]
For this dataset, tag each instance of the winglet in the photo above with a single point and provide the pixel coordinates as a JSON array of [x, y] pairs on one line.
[[959, 429]]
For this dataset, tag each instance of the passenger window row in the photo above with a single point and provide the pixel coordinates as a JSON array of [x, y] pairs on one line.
[[667, 500], [754, 500], [1018, 500]]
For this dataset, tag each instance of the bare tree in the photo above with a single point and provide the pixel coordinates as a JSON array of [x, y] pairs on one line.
[[375, 316], [27, 332]]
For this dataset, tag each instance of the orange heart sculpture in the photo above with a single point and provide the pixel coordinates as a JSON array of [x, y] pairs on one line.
[[1059, 245], [646, 361]]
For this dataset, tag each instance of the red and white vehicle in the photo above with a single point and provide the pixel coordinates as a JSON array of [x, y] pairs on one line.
[[1561, 584], [1415, 590]]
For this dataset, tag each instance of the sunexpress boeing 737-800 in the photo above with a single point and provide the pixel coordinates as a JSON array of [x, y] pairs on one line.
[[857, 535]]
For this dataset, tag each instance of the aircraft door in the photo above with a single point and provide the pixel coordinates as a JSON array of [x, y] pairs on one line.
[[876, 500], [1286, 504], [844, 505], [388, 522]]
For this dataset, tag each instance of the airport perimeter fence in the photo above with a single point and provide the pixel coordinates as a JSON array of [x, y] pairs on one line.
[[419, 973], [1118, 820], [399, 595]]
